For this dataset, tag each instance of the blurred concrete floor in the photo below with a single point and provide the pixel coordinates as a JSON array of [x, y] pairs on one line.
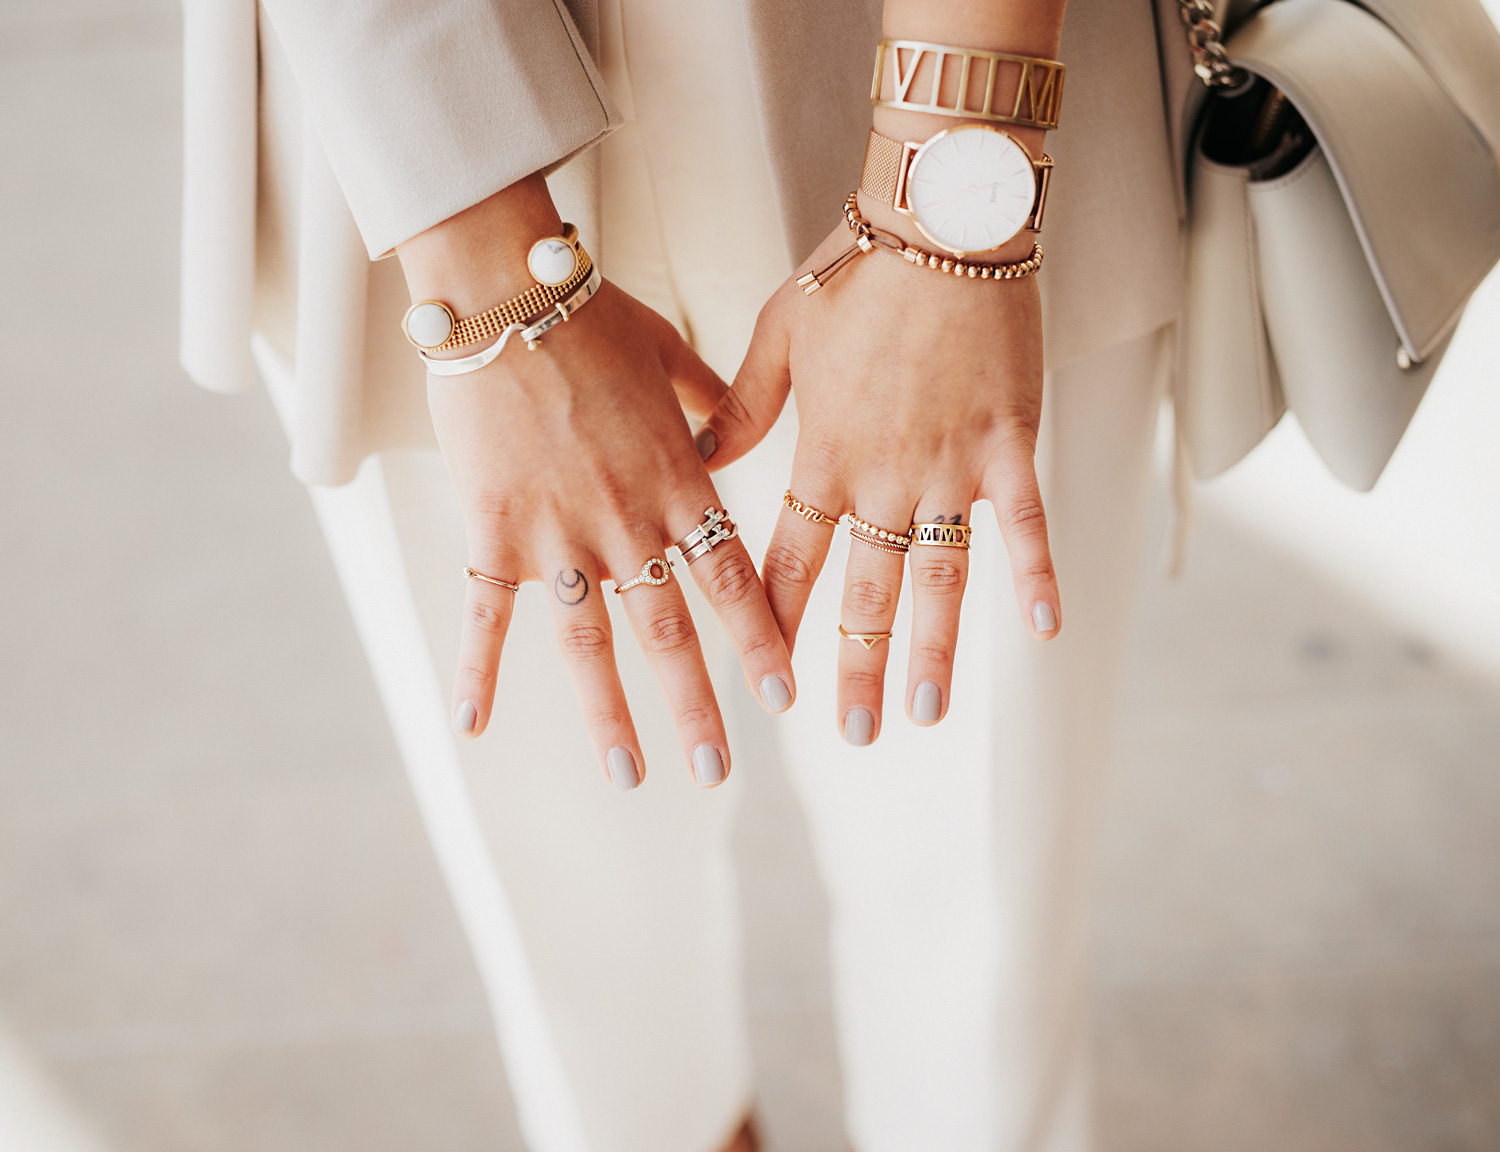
[[221, 927]]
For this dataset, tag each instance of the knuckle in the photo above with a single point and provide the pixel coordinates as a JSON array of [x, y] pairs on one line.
[[785, 565], [1039, 571], [1026, 515], [930, 653], [939, 575], [730, 412], [870, 679], [870, 598], [475, 674], [484, 618], [669, 634], [761, 645], [732, 581], [694, 712], [583, 641], [607, 719]]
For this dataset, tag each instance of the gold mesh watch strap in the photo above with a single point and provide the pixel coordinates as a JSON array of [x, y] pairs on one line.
[[517, 310], [997, 87], [882, 174]]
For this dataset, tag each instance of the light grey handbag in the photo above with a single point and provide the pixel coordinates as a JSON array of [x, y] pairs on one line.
[[1344, 202]]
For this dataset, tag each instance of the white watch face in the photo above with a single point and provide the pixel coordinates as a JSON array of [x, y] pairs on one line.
[[971, 189]]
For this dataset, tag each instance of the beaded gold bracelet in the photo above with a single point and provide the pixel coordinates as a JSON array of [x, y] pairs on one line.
[[867, 237]]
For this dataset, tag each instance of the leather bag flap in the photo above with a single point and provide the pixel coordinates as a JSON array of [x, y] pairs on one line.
[[1419, 181]]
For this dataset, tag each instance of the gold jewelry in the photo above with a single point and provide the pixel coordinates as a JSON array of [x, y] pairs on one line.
[[868, 639], [942, 535], [716, 528], [657, 571], [1009, 174], [1039, 83], [879, 538], [867, 238], [548, 320], [431, 320], [807, 511], [506, 584]]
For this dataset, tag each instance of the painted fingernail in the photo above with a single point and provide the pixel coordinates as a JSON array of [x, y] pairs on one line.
[[621, 765], [708, 765], [466, 717], [859, 726], [774, 693], [927, 703], [707, 442], [1043, 616]]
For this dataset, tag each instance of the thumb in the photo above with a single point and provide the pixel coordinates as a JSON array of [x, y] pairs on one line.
[[698, 386], [747, 411]]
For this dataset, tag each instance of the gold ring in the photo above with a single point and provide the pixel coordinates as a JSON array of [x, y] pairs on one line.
[[942, 535], [868, 639], [807, 511], [881, 539], [656, 570], [506, 584]]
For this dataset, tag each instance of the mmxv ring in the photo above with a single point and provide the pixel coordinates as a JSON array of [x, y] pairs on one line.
[[868, 639], [506, 584], [657, 570], [807, 511], [881, 539], [942, 535], [716, 528]]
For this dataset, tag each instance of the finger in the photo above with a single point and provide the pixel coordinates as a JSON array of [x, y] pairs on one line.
[[486, 619], [1011, 486], [872, 586], [659, 614], [799, 546], [727, 577], [746, 412], [581, 620], [699, 388], [939, 573]]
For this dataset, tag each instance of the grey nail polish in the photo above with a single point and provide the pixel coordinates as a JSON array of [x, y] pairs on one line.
[[621, 765], [708, 765], [707, 443], [466, 717], [774, 693], [927, 703], [1043, 616], [859, 726]]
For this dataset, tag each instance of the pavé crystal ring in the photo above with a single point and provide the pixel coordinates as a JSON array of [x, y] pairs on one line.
[[657, 570]]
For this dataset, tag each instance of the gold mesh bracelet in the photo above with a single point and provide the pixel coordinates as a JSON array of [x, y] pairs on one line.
[[984, 78], [517, 310]]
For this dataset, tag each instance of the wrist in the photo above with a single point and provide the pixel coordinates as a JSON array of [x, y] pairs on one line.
[[478, 256]]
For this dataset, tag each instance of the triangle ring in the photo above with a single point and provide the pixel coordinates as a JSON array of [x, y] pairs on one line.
[[868, 639]]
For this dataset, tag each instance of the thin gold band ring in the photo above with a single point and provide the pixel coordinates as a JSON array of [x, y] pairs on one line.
[[807, 511], [506, 584], [868, 639]]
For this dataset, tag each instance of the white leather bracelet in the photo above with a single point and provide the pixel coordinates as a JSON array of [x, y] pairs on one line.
[[531, 333]]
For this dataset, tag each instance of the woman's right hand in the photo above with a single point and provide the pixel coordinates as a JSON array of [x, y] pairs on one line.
[[574, 464]]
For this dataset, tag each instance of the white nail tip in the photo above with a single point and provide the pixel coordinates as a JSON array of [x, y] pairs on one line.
[[466, 717], [621, 765], [1043, 617], [927, 703], [708, 765]]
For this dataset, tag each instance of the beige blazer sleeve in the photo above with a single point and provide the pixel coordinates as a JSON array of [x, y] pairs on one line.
[[426, 109]]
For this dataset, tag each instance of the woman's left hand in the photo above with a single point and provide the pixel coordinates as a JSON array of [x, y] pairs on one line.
[[917, 393]]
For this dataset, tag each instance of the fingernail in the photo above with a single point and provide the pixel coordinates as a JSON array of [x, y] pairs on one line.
[[927, 703], [859, 726], [706, 442], [708, 765], [466, 717], [621, 765], [774, 693], [1043, 616]]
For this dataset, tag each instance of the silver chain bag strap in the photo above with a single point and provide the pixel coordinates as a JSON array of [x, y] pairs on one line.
[[1344, 203]]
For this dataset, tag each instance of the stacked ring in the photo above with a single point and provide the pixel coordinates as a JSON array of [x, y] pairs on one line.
[[716, 528], [656, 570], [942, 535], [506, 584], [881, 539], [807, 511]]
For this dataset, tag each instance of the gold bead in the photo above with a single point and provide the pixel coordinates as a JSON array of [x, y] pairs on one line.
[[973, 271], [947, 265]]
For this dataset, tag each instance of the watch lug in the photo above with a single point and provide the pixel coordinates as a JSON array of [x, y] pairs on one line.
[[908, 150], [1043, 182]]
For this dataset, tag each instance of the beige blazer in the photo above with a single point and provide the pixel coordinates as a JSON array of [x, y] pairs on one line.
[[319, 135]]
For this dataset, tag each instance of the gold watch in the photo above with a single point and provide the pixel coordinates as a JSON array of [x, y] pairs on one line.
[[967, 189]]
